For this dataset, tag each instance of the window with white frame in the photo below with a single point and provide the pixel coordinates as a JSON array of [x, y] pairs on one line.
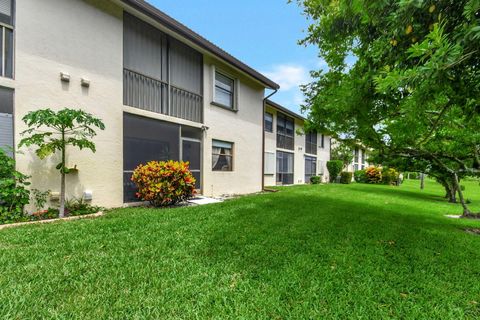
[[6, 38], [222, 156], [364, 162], [224, 91], [269, 167], [268, 122], [356, 159]]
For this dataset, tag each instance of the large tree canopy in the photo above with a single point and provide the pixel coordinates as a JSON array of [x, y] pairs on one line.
[[413, 91]]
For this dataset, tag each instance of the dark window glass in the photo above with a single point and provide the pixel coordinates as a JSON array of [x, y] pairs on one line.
[[222, 156], [310, 168], [311, 143], [8, 69], [224, 90], [285, 132], [284, 167], [6, 100], [6, 120], [322, 142], [268, 122], [146, 140]]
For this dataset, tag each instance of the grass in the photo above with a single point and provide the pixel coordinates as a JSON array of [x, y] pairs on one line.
[[326, 251]]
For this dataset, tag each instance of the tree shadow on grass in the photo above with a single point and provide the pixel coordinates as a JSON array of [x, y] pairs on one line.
[[288, 224], [402, 193]]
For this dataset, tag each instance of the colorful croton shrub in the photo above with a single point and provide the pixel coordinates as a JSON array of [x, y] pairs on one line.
[[164, 183], [389, 176], [373, 174]]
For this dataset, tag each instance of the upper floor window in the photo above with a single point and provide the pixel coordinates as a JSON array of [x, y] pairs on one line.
[[224, 90], [285, 132], [311, 143], [268, 122], [6, 38]]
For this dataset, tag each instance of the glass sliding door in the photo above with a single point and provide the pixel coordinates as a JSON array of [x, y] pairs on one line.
[[284, 167]]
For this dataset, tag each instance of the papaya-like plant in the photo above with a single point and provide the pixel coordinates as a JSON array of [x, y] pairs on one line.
[[52, 131]]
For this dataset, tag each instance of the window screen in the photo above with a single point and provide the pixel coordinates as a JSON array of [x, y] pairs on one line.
[[310, 168], [222, 156], [311, 143], [285, 132], [146, 140], [284, 168], [6, 11]]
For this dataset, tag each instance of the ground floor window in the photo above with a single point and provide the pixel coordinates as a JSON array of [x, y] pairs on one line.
[[284, 167], [310, 168], [222, 155], [6, 120]]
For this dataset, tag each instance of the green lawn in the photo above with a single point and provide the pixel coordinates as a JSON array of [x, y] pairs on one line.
[[326, 251]]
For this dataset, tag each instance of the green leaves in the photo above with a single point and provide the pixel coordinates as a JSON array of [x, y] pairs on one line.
[[52, 131]]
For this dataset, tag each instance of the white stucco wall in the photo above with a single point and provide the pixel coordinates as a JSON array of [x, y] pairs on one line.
[[83, 40], [323, 154], [243, 128]]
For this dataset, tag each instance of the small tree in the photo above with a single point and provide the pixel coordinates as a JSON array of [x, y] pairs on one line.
[[334, 168], [343, 152], [65, 127]]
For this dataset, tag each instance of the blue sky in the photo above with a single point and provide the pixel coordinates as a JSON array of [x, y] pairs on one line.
[[261, 33]]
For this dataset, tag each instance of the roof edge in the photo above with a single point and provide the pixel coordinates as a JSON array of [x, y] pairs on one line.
[[177, 27], [285, 110]]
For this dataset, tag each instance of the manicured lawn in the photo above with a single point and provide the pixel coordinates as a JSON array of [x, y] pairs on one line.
[[328, 251]]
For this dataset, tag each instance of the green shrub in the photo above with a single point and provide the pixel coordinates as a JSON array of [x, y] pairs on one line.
[[411, 175], [334, 168], [389, 176], [346, 177], [373, 174], [360, 176], [315, 180], [79, 206], [164, 183], [13, 192]]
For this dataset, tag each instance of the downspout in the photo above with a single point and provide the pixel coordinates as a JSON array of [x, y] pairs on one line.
[[263, 135]]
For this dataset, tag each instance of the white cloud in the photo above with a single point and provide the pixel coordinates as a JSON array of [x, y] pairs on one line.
[[289, 76]]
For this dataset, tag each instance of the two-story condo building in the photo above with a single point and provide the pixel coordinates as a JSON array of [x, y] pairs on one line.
[[163, 92], [291, 155]]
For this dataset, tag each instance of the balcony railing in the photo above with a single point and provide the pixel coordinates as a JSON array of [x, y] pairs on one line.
[[153, 95]]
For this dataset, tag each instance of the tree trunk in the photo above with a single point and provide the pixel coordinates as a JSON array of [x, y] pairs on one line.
[[466, 210], [62, 184], [62, 196], [452, 196], [422, 181]]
